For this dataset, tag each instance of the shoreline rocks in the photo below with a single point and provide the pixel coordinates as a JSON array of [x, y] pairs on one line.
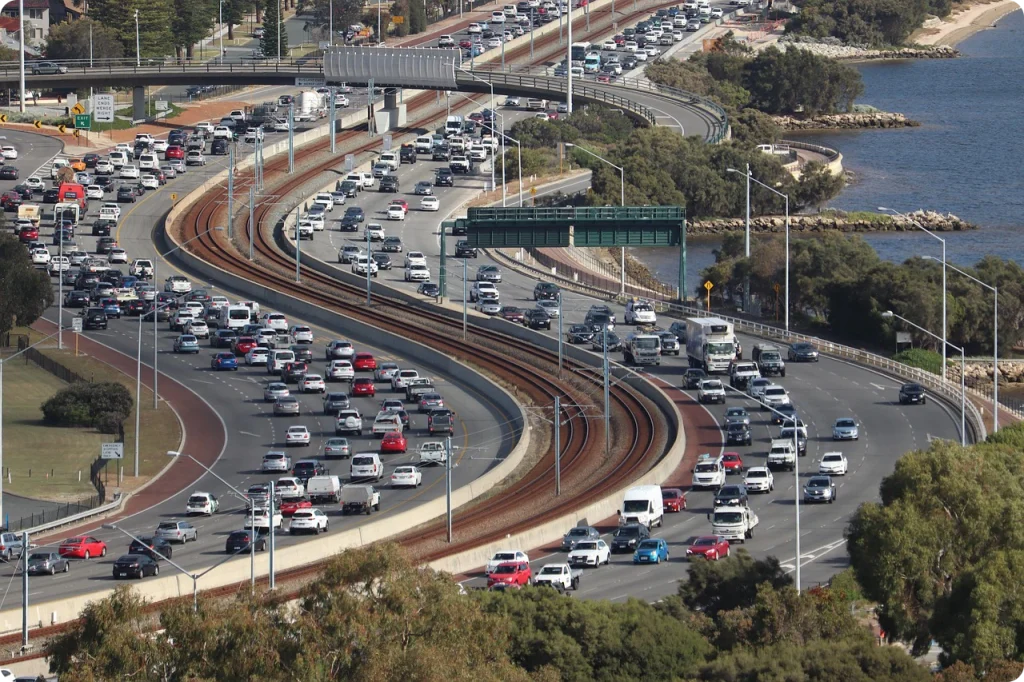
[[852, 121], [832, 221], [835, 49]]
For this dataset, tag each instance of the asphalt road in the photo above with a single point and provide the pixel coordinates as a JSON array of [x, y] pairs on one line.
[[481, 435]]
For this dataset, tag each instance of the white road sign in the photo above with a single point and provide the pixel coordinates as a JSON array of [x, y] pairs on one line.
[[103, 108], [112, 451], [76, 325], [161, 105], [350, 163], [310, 82]]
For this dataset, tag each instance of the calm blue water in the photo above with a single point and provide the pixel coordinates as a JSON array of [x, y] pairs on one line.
[[965, 159]]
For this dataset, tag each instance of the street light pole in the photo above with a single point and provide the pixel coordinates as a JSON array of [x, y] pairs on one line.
[[607, 397], [491, 86], [750, 178], [622, 202], [221, 17], [21, 54], [138, 49]]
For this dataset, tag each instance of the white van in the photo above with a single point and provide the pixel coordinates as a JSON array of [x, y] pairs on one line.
[[278, 359], [253, 306], [117, 159], [709, 472], [644, 505], [424, 144], [323, 489], [234, 317], [366, 466], [149, 161]]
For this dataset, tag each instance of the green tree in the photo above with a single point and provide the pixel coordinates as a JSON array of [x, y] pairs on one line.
[[874, 22], [81, 39], [25, 291], [193, 21], [714, 587], [346, 12], [275, 38], [752, 127], [154, 30], [417, 16], [816, 186], [799, 80]]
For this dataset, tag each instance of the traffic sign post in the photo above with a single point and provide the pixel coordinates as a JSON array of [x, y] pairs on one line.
[[350, 162], [83, 121], [709, 286], [78, 109], [103, 108], [111, 450], [387, 142]]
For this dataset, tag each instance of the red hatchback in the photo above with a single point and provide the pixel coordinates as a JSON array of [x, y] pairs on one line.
[[393, 442], [290, 505], [673, 499], [244, 344], [732, 463], [710, 547], [364, 362], [510, 573], [28, 234], [174, 152], [82, 547], [364, 386]]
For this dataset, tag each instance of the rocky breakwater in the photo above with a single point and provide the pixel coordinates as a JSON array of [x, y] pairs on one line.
[[979, 373], [874, 119], [832, 221], [835, 49]]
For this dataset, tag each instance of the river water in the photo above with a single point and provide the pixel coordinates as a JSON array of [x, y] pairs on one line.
[[965, 159]]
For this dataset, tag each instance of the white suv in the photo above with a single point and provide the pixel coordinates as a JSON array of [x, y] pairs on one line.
[[308, 521]]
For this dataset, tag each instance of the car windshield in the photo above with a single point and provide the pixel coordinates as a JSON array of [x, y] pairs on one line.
[[586, 545], [735, 412], [832, 458], [39, 557], [843, 423], [551, 570], [753, 473], [506, 569], [704, 542], [197, 499], [728, 491], [627, 532], [168, 526], [728, 517], [362, 461], [818, 483], [704, 468], [737, 426], [648, 544], [775, 391], [579, 532], [504, 556]]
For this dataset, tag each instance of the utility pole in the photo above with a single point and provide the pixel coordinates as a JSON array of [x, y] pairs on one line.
[[560, 337], [333, 115], [558, 446], [568, 62], [291, 138], [231, 189], [298, 245], [252, 219], [24, 591], [270, 524], [369, 299], [746, 251], [607, 401], [448, 481]]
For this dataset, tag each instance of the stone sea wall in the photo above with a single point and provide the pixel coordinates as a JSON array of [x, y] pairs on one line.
[[833, 48], [875, 119], [833, 221]]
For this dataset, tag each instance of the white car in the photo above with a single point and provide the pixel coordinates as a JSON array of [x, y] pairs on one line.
[[112, 210], [488, 306], [430, 203], [308, 521], [218, 302], [176, 284], [374, 232], [590, 553], [117, 255], [324, 199], [257, 356], [401, 377], [406, 477], [58, 264], [262, 519], [317, 221], [385, 370], [40, 257], [94, 192], [341, 370], [150, 182], [193, 158], [275, 460], [506, 555], [417, 273], [289, 486], [276, 321], [833, 464], [199, 329], [484, 290], [415, 258], [609, 46], [301, 333], [361, 263], [474, 28], [774, 396], [313, 383], [716, 12], [160, 146], [759, 480], [297, 435], [35, 183], [104, 166], [9, 152], [396, 213], [129, 172]]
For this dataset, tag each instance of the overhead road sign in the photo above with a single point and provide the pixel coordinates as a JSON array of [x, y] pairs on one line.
[[302, 82], [575, 226]]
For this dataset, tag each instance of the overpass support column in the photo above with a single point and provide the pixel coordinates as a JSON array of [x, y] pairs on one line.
[[392, 115], [138, 102]]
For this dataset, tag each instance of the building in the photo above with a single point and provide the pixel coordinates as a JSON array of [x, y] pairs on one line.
[[37, 20]]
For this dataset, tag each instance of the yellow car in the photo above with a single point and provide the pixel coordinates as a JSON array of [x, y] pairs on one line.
[[78, 165]]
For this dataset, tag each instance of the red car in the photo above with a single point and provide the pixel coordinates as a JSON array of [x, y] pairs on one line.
[[476, 117], [732, 462], [82, 547], [511, 573], [601, 78], [29, 234], [174, 152], [710, 547], [10, 201], [512, 314], [465, 43], [364, 362], [400, 202], [290, 505], [244, 344], [673, 499], [619, 39], [364, 386], [552, 115], [392, 442]]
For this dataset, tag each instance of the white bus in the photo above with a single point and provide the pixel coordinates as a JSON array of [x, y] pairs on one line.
[[234, 316], [579, 52]]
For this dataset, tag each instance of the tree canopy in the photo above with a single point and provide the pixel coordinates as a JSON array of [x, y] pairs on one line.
[[871, 22], [25, 291], [71, 40]]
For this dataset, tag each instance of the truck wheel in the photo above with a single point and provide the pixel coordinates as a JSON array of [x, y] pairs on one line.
[[782, 373], [575, 584], [368, 508], [376, 507]]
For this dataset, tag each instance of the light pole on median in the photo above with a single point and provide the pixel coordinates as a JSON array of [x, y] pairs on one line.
[[491, 86], [156, 344], [751, 178], [138, 50], [995, 340], [931, 234], [519, 152], [221, 17], [963, 373], [138, 383], [622, 202], [746, 249], [252, 511], [2, 362]]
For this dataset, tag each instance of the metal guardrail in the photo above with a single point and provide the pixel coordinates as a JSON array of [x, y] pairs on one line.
[[827, 152], [75, 518], [304, 66]]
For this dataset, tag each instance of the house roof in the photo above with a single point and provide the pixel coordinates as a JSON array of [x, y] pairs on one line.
[[9, 24]]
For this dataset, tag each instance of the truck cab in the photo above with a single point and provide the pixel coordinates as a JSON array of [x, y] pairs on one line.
[[560, 576], [644, 505], [710, 344], [782, 454], [642, 349], [769, 359], [640, 311], [742, 373], [733, 523]]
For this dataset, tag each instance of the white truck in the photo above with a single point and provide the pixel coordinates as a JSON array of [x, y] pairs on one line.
[[359, 499], [323, 489], [710, 391], [643, 504], [782, 455], [560, 576], [642, 349], [309, 106], [432, 452], [710, 343], [709, 472], [386, 422], [733, 523], [742, 373], [640, 311]]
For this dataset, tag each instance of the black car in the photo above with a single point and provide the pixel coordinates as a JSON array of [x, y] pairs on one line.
[[382, 260], [336, 401], [407, 154], [306, 470], [389, 183], [546, 291], [223, 338], [349, 224], [102, 228], [429, 289], [679, 329], [731, 496], [803, 352], [153, 547], [441, 152], [238, 542], [95, 318], [8, 173], [219, 147], [76, 299], [579, 333], [912, 393], [537, 319], [303, 352], [125, 194], [90, 160], [105, 244], [464, 250], [693, 377], [626, 538], [135, 566], [133, 307], [24, 191], [738, 434], [51, 196], [444, 178], [348, 187], [392, 245]]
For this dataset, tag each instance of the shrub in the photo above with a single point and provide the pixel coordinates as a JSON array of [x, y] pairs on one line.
[[101, 405], [928, 360]]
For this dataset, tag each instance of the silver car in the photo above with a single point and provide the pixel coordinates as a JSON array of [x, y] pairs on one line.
[[578, 534], [336, 447], [275, 390], [47, 562], [286, 406], [488, 273], [845, 428], [177, 531]]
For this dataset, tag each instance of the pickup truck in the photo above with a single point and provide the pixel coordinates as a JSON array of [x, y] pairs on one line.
[[282, 341], [432, 452], [440, 421], [781, 455], [742, 373], [769, 359], [359, 499], [560, 576], [733, 523], [459, 164], [414, 388], [385, 423]]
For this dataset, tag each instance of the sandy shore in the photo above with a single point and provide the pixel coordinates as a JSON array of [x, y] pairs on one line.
[[961, 25]]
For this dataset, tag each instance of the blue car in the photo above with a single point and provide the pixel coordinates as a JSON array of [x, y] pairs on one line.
[[129, 282], [651, 551], [111, 307], [224, 361]]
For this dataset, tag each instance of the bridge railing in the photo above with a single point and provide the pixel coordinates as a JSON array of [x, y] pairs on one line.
[[146, 67]]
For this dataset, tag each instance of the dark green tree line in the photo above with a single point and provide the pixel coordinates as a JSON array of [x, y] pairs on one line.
[[275, 37], [25, 291], [71, 40], [872, 22]]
